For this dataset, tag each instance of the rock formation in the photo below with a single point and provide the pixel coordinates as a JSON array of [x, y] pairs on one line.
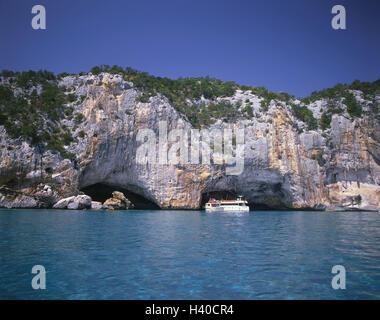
[[117, 202], [74, 203], [96, 205], [287, 164]]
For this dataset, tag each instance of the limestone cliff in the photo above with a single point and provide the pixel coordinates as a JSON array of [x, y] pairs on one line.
[[288, 163]]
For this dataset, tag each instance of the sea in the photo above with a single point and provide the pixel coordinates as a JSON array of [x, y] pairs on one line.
[[184, 254]]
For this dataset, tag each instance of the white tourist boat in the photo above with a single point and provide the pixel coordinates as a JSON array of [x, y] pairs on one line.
[[227, 205]]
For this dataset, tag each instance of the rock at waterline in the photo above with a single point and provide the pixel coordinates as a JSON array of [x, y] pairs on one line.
[[118, 202], [74, 203], [62, 204], [96, 205], [19, 201]]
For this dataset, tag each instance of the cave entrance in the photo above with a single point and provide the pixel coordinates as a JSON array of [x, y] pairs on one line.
[[101, 192], [218, 195], [232, 195]]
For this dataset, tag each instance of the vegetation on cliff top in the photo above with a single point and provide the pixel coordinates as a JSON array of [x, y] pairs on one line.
[[35, 117], [178, 90], [181, 92], [369, 89], [305, 115]]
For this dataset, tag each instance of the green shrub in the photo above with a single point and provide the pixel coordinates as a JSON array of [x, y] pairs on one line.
[[67, 138], [305, 115], [333, 107], [30, 78], [78, 118], [325, 121], [354, 108], [368, 89], [96, 70], [34, 117], [71, 97], [68, 111], [264, 105], [62, 75], [248, 111], [6, 73]]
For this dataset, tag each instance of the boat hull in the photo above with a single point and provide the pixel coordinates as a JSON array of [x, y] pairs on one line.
[[238, 205], [227, 208]]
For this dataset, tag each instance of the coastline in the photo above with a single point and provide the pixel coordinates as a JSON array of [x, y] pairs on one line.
[[192, 209]]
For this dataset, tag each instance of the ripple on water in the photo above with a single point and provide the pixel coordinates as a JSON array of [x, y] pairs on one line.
[[188, 254]]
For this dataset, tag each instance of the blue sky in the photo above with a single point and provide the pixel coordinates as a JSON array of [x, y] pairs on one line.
[[283, 45]]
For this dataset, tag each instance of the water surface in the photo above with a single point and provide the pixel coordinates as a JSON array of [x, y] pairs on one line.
[[189, 254]]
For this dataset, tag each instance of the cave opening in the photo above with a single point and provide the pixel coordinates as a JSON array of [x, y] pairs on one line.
[[218, 195], [101, 192], [232, 195]]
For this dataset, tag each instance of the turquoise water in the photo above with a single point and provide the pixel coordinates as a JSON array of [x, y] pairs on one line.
[[189, 254]]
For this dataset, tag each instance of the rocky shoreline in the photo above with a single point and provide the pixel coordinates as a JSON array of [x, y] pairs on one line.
[[118, 201]]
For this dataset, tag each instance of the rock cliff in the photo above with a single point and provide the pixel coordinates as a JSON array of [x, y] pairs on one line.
[[311, 154]]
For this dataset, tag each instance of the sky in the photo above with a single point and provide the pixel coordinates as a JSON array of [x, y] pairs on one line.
[[282, 45]]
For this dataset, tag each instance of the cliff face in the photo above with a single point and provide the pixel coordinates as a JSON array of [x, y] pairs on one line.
[[285, 164]]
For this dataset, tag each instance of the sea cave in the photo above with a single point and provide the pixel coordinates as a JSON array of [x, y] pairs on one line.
[[101, 192]]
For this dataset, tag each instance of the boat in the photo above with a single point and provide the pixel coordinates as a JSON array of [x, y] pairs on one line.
[[227, 205]]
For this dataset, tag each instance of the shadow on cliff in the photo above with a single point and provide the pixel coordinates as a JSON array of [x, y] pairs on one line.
[[101, 192]]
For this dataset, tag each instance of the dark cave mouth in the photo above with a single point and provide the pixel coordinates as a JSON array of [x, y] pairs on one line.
[[101, 192], [232, 195]]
